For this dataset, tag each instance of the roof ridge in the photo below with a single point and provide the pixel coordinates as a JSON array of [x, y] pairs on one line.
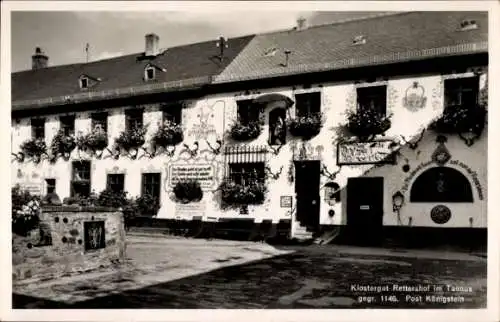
[[341, 21], [137, 54]]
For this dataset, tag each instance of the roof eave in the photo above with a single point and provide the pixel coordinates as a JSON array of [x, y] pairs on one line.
[[120, 93]]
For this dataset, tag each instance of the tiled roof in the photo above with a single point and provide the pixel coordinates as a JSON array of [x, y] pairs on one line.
[[188, 65], [389, 38]]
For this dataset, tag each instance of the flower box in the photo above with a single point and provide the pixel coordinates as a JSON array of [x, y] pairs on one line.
[[237, 195], [368, 123], [34, 148], [96, 140], [245, 131], [461, 119], [168, 134], [188, 191], [62, 144], [131, 139], [306, 126]]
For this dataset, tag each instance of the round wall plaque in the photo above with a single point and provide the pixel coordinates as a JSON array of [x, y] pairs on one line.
[[440, 214]]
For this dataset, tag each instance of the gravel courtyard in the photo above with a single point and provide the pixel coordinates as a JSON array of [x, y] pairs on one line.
[[194, 273]]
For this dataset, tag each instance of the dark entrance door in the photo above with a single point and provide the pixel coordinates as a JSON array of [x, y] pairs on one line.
[[307, 175], [365, 209]]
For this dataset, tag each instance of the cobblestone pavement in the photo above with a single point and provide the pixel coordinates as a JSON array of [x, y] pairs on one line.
[[183, 273]]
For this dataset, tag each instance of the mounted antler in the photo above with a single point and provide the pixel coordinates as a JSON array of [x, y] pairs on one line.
[[171, 152], [469, 141], [192, 152], [328, 174], [115, 153], [274, 176], [275, 151], [217, 149], [413, 144], [19, 157], [147, 153]]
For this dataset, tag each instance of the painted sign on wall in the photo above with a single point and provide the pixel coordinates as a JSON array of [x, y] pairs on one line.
[[286, 201], [365, 152], [33, 188], [203, 173], [190, 209]]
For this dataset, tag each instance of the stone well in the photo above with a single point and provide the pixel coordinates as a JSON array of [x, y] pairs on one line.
[[70, 240]]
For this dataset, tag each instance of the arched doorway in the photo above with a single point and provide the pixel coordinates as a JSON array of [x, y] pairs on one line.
[[277, 126], [441, 184]]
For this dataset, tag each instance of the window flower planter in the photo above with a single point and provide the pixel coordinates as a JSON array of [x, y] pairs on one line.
[[147, 205], [62, 145], [367, 124], [168, 134], [460, 119], [306, 126], [238, 195], [34, 148], [245, 131], [96, 141], [188, 191], [131, 139]]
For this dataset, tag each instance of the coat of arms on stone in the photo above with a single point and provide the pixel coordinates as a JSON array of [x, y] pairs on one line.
[[415, 99]]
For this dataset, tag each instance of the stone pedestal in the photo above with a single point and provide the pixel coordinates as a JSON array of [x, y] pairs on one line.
[[75, 239]]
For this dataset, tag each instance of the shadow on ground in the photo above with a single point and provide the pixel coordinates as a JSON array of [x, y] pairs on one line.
[[298, 280]]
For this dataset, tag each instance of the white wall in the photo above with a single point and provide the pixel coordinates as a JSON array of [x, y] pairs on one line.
[[218, 111]]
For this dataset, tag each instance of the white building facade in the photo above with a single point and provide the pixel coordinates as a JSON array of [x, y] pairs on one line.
[[409, 174]]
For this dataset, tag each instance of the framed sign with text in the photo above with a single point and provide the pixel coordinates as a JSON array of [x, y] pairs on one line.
[[365, 153], [286, 202]]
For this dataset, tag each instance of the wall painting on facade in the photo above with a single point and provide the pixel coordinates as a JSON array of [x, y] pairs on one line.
[[203, 173], [365, 152], [203, 125], [440, 183], [94, 235], [190, 209], [415, 98]]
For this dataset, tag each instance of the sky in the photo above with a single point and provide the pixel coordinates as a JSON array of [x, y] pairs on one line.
[[63, 35]]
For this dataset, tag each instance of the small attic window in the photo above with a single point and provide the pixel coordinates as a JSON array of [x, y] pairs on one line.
[[149, 73], [84, 82], [468, 24], [359, 40]]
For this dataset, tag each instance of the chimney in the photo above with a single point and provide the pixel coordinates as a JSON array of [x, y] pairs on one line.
[[39, 59], [301, 23], [152, 45]]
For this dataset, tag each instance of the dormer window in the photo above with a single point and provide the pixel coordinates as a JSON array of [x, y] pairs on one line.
[[149, 73], [84, 82], [468, 24], [359, 40]]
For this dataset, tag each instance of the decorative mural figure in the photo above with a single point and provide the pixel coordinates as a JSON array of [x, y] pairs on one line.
[[94, 235], [204, 125], [277, 128], [437, 94], [415, 99], [441, 155]]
